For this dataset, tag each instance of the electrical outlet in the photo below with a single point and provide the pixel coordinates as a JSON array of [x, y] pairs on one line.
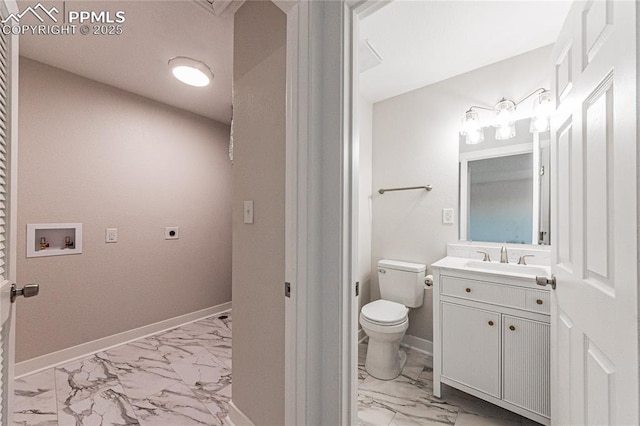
[[171, 233], [447, 216], [111, 235]]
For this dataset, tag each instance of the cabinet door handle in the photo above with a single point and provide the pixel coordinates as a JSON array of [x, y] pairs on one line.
[[539, 302], [468, 290], [512, 328], [491, 323]]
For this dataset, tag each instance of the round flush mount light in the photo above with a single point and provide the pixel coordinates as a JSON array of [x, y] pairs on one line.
[[191, 71]]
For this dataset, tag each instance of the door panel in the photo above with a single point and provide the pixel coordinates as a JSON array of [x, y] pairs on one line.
[[565, 195], [598, 140], [594, 191], [563, 397], [563, 74], [599, 386], [597, 24]]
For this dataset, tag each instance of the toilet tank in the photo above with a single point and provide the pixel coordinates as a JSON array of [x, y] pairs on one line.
[[402, 282]]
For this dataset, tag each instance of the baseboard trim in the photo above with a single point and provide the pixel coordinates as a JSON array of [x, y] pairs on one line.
[[64, 356], [418, 344], [236, 417]]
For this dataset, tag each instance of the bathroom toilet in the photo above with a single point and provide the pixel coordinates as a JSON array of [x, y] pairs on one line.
[[386, 320]]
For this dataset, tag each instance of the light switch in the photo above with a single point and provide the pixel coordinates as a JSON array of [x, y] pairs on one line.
[[248, 212], [111, 235], [447, 216]]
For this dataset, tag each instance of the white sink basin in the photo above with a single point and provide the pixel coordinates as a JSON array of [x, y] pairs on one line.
[[507, 268]]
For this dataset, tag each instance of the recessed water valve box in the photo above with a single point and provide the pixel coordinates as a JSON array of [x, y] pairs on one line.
[[53, 239]]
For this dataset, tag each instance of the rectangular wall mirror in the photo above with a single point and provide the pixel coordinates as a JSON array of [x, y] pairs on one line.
[[504, 188]]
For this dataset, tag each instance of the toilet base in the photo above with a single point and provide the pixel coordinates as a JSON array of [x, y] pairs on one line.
[[385, 360]]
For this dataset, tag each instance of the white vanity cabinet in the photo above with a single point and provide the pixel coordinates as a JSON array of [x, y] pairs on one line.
[[491, 339], [464, 328]]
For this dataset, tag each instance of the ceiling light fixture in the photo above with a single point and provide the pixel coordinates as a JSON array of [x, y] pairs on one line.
[[191, 71], [504, 118]]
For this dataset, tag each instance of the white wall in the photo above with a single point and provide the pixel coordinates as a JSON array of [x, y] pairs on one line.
[[365, 271], [415, 142]]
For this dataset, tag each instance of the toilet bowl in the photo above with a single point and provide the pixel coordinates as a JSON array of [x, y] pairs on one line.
[[385, 323], [386, 320]]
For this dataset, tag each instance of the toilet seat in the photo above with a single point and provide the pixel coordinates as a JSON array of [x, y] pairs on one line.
[[385, 313]]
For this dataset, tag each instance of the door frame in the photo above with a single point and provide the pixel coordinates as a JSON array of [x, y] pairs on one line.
[[9, 7], [321, 210]]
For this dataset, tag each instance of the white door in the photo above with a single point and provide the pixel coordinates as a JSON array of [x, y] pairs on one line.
[[8, 196], [594, 219]]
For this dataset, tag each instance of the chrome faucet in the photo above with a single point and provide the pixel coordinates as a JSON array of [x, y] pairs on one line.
[[486, 257], [522, 260], [504, 258]]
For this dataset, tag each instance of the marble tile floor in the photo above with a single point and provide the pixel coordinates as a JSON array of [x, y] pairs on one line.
[[177, 377], [408, 399], [182, 377]]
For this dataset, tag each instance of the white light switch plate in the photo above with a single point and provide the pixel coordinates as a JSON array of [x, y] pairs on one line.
[[111, 235], [248, 212], [447, 216]]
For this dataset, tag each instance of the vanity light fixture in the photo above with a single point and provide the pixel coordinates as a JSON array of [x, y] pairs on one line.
[[191, 71], [504, 117]]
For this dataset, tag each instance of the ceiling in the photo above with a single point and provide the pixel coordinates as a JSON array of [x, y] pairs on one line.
[[136, 60], [423, 42]]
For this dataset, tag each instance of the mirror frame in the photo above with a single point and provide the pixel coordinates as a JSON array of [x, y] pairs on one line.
[[463, 196]]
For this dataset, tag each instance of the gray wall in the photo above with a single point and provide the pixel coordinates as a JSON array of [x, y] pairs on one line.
[[415, 142], [259, 175], [94, 154]]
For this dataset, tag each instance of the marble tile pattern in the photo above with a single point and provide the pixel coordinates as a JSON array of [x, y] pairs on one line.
[[182, 377], [177, 377], [409, 400]]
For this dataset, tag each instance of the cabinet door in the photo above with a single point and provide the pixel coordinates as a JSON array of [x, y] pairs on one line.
[[471, 347], [526, 373]]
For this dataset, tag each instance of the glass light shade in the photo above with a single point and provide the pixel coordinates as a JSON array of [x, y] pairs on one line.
[[539, 124], [505, 121], [475, 137], [470, 123], [505, 110], [191, 71], [505, 132], [542, 109]]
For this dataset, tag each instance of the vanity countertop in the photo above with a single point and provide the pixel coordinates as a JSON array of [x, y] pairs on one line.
[[505, 270]]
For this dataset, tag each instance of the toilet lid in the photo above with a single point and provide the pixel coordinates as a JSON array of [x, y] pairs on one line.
[[385, 312]]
